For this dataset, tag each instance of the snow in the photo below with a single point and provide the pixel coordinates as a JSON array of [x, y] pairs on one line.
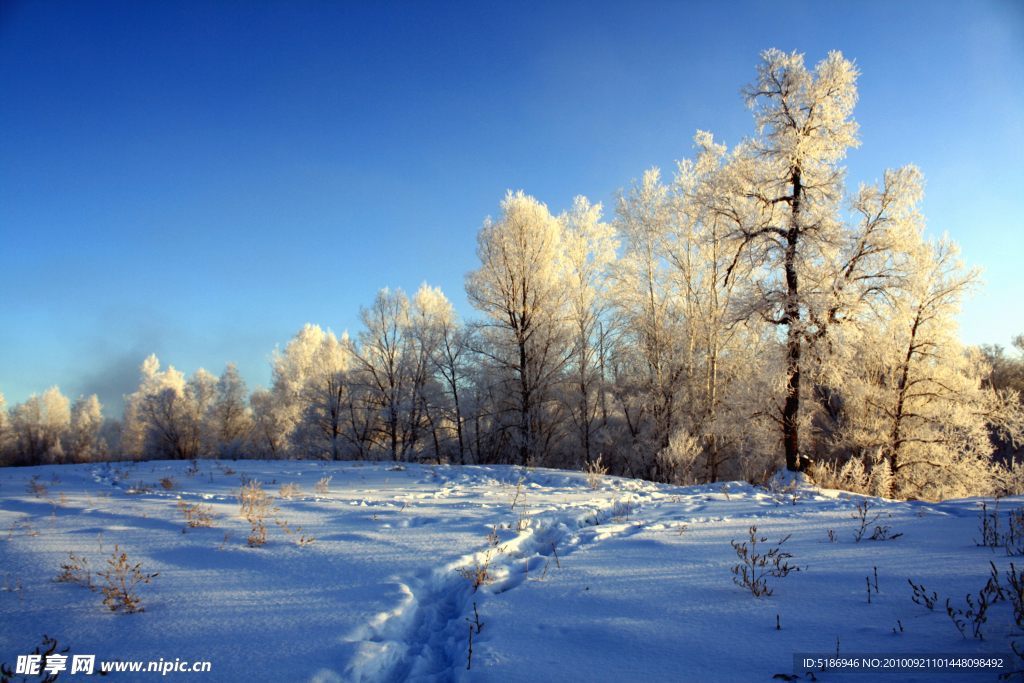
[[589, 585]]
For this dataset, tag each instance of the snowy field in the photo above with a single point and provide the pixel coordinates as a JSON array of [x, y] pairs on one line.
[[586, 584]]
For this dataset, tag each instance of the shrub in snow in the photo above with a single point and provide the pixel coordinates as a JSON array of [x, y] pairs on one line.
[[197, 515], [755, 568], [479, 573], [121, 578], [594, 472], [290, 491], [323, 487], [75, 570], [302, 539], [255, 505]]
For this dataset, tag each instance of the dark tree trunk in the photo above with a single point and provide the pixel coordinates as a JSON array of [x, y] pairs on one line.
[[791, 412]]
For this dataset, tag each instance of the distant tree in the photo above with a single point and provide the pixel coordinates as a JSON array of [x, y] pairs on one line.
[[84, 443], [166, 418], [589, 251], [388, 371], [520, 288], [37, 426], [676, 314], [291, 370], [270, 429], [917, 406], [309, 396], [1007, 372], [434, 336], [652, 349], [716, 352], [200, 398], [441, 335], [230, 418], [5, 431], [324, 430]]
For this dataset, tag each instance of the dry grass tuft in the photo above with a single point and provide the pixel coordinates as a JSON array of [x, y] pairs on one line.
[[300, 538], [323, 487], [480, 572], [35, 488], [755, 568], [197, 515], [255, 506], [594, 472], [290, 491], [122, 578], [75, 570]]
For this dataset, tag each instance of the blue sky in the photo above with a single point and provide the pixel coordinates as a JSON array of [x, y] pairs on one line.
[[200, 179]]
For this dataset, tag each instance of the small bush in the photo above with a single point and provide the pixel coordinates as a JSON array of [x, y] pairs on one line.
[[622, 511], [323, 487], [479, 573], [169, 484], [26, 524], [755, 568], [993, 592], [35, 488], [883, 533], [300, 538], [594, 472], [921, 596], [255, 506], [992, 534], [140, 488], [863, 506], [1015, 592], [197, 515], [122, 578], [290, 491], [75, 570]]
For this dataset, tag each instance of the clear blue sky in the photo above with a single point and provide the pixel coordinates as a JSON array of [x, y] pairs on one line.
[[200, 179]]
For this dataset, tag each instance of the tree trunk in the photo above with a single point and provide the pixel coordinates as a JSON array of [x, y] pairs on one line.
[[791, 412]]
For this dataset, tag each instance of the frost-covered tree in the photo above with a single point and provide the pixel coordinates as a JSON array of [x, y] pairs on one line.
[[166, 418], [5, 431], [324, 430], [715, 351], [438, 367], [683, 347], [310, 395], [521, 290], [1007, 367], [918, 408], [387, 367], [443, 337], [589, 251], [37, 426], [270, 429], [652, 354], [230, 418], [649, 321], [200, 398], [814, 271], [84, 443]]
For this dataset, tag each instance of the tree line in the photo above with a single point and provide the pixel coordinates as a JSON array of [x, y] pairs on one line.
[[750, 313]]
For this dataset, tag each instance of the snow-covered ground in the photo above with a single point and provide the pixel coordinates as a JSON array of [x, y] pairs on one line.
[[588, 585]]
